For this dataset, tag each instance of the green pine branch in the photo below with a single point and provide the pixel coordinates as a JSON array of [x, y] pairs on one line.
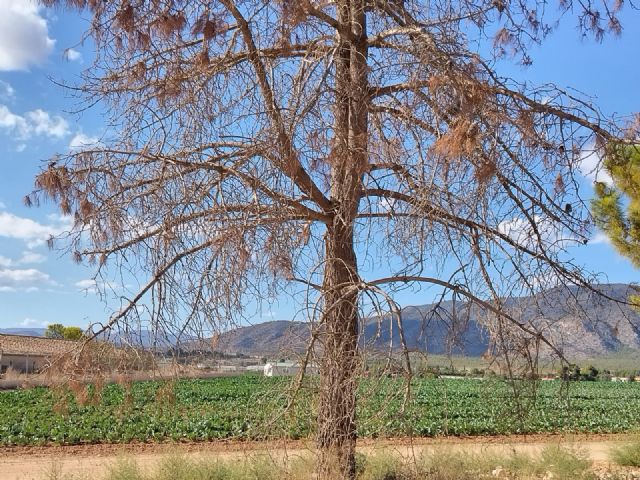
[[621, 223]]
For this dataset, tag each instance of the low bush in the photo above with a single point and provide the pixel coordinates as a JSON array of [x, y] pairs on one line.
[[554, 462], [627, 455]]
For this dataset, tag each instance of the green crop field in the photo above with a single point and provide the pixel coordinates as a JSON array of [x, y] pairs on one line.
[[253, 407]]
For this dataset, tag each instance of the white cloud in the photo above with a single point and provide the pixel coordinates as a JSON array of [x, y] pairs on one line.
[[36, 122], [26, 279], [12, 122], [80, 141], [43, 124], [32, 322], [66, 220], [30, 231], [73, 55], [91, 285], [6, 91], [522, 232], [600, 238], [86, 284], [386, 205], [28, 258], [591, 166], [24, 35]]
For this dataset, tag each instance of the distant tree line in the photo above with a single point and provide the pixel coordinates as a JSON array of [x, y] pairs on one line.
[[181, 352], [59, 331]]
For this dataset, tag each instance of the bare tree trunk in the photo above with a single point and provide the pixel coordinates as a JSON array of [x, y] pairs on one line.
[[338, 374], [339, 367]]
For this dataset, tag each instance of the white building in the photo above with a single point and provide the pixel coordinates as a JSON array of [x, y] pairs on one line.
[[27, 354]]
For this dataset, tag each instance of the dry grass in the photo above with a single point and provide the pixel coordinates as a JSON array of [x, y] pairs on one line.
[[12, 374], [13, 379], [627, 455], [553, 462]]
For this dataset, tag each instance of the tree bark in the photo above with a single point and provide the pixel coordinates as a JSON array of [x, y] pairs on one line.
[[336, 436], [349, 160]]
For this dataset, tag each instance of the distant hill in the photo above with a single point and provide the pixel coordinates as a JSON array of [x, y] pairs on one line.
[[140, 337], [267, 338], [33, 332], [581, 322]]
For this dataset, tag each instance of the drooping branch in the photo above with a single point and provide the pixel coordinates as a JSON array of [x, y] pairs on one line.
[[474, 299]]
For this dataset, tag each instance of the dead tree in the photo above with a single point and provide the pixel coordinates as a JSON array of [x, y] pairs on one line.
[[256, 146]]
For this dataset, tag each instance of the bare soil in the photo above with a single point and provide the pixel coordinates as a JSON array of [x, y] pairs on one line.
[[34, 463]]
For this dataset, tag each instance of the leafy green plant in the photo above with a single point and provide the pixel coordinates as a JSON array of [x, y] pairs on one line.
[[250, 408]]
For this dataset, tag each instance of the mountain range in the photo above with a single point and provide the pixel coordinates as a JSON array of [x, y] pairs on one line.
[[581, 322], [31, 332]]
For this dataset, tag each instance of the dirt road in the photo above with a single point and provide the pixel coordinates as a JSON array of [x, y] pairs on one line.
[[37, 463]]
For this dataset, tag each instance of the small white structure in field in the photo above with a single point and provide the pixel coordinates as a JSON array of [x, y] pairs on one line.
[[287, 368], [624, 379], [281, 368], [227, 368]]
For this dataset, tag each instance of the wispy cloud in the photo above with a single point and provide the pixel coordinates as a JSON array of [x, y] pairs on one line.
[[91, 285], [24, 279], [33, 233], [81, 141], [88, 285], [72, 55], [24, 35], [591, 166], [33, 323], [600, 238], [523, 232], [44, 124], [27, 258], [6, 91], [34, 123]]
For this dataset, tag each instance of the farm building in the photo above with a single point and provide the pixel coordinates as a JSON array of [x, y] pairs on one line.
[[27, 354]]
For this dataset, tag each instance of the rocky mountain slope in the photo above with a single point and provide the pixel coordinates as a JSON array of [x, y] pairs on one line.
[[580, 322]]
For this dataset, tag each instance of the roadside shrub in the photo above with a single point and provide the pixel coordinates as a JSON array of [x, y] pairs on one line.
[[552, 462], [626, 455], [382, 467], [566, 463], [175, 468], [454, 466], [125, 469]]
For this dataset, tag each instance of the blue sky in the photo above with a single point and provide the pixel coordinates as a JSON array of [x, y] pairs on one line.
[[38, 46]]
